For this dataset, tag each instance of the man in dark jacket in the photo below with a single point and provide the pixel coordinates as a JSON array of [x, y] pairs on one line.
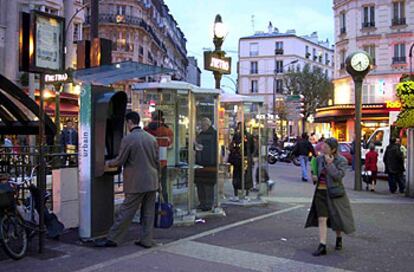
[[206, 156], [69, 138], [394, 166], [303, 149]]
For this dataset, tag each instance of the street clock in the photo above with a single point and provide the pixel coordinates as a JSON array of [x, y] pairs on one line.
[[358, 64]]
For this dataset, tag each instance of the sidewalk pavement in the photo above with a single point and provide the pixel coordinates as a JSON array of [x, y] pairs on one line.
[[266, 238]]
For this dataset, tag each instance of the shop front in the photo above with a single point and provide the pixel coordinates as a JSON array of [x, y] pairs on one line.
[[341, 118]]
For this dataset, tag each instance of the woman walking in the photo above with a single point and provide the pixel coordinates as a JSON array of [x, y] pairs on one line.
[[371, 160], [330, 205]]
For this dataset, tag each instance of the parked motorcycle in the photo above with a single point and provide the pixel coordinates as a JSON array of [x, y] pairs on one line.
[[276, 154]]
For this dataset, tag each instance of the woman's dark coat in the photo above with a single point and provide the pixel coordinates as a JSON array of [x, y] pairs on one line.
[[340, 213]]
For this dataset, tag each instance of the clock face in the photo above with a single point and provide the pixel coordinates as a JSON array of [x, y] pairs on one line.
[[360, 62]]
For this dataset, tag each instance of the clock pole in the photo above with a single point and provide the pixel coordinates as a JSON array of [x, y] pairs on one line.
[[358, 114], [358, 65]]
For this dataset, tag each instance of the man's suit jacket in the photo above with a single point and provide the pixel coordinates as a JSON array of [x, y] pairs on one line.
[[138, 155]]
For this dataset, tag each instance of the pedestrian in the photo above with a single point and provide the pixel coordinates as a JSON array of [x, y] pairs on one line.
[[235, 159], [371, 160], [69, 138], [394, 166], [313, 139], [304, 150], [138, 155], [206, 156], [165, 140], [330, 205]]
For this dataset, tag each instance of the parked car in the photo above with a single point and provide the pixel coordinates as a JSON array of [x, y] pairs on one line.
[[345, 150]]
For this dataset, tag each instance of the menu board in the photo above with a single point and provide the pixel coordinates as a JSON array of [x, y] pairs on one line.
[[48, 42]]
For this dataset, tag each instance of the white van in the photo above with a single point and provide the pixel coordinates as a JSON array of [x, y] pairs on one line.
[[381, 139]]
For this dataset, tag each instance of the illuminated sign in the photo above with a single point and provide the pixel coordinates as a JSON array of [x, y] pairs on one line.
[[41, 42], [393, 104], [56, 78], [216, 62]]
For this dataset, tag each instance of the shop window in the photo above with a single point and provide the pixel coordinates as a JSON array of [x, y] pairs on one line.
[[254, 49]]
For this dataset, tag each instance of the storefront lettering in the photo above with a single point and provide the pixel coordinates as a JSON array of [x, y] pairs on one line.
[[393, 104]]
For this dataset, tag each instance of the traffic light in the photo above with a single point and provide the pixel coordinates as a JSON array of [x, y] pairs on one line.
[[301, 106]]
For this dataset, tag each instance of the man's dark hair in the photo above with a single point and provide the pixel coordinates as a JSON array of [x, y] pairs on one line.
[[393, 140], [157, 115], [134, 117], [305, 136]]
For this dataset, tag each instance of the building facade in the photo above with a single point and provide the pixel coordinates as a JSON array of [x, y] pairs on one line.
[[143, 31], [265, 56], [193, 72], [385, 30], [9, 30]]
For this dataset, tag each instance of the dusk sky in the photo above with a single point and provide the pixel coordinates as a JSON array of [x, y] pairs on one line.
[[195, 18]]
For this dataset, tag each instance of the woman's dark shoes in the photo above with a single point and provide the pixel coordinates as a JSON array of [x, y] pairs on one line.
[[304, 180], [105, 243], [338, 245], [320, 251]]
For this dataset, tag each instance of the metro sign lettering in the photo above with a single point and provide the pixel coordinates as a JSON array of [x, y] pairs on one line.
[[219, 64]]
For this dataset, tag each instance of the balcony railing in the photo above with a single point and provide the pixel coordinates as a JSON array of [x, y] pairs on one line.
[[279, 70], [279, 51], [399, 60], [398, 21], [253, 71], [128, 20], [368, 24], [342, 30]]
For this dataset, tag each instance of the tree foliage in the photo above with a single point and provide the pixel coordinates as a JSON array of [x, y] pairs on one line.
[[313, 84]]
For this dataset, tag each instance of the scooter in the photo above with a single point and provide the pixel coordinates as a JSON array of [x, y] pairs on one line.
[[276, 154]]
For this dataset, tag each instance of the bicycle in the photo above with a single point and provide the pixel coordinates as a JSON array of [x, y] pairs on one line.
[[19, 219]]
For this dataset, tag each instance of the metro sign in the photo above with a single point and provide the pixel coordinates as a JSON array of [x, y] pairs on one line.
[[217, 63]]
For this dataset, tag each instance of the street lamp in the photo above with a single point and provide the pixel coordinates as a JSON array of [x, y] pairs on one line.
[[219, 35]]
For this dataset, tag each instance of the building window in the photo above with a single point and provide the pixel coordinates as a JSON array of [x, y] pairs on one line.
[[370, 49], [342, 23], [327, 59], [307, 54], [279, 86], [150, 58], [298, 68], [254, 86], [121, 10], [253, 67], [343, 57], [399, 54], [279, 66], [368, 16], [51, 11], [76, 32], [141, 51], [279, 48], [254, 49], [315, 57], [368, 94], [398, 13]]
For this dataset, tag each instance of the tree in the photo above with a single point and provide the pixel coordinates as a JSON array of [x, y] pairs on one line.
[[313, 84]]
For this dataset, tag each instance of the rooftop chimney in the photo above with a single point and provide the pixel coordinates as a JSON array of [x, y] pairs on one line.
[[270, 28]]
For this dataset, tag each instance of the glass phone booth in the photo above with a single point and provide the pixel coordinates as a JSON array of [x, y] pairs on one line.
[[242, 117], [183, 118]]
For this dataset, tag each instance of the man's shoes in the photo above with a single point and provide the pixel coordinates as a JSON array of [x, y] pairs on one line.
[[105, 243], [320, 251], [145, 245], [304, 180]]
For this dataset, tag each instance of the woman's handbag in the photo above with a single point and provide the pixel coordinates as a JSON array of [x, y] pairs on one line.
[[164, 214]]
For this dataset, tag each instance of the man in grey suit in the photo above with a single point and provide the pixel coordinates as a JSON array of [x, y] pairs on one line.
[[139, 157]]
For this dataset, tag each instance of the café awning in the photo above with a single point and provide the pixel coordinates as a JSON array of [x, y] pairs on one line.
[[110, 74]]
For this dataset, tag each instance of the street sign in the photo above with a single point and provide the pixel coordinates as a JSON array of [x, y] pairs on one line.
[[214, 61]]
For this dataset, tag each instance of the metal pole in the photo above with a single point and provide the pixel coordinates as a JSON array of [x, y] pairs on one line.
[[243, 178], [358, 115], [411, 59], [217, 78], [410, 163], [94, 19], [41, 182], [274, 104]]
